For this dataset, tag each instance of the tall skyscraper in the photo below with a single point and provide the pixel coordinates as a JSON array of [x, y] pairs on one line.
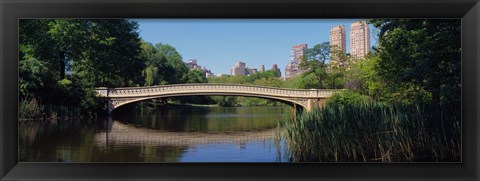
[[338, 38], [297, 52], [359, 39]]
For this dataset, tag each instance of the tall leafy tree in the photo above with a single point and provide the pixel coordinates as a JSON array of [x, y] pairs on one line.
[[154, 72], [314, 64], [175, 69], [422, 54], [195, 76], [337, 68], [78, 55], [111, 57]]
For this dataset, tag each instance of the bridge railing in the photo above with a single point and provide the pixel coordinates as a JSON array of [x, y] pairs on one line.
[[211, 88]]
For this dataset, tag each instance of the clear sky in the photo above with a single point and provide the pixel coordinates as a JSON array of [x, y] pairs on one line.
[[218, 44]]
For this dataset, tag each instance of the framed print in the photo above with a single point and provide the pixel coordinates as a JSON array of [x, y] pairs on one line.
[[239, 90]]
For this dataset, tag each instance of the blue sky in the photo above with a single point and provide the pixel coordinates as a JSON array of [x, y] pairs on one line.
[[219, 43]]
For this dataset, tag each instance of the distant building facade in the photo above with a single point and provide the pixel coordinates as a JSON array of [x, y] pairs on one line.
[[275, 68], [262, 68], [338, 39], [192, 65], [338, 44], [209, 74], [239, 69], [250, 71], [292, 69], [296, 53], [359, 39]]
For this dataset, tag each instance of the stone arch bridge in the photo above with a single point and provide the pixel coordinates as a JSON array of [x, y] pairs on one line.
[[306, 98]]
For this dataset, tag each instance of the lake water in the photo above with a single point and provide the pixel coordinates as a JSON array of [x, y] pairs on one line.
[[178, 134]]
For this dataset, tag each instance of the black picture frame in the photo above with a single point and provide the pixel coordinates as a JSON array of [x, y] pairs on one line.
[[467, 10]]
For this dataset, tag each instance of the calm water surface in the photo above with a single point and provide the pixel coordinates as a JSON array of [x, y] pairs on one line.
[[182, 134]]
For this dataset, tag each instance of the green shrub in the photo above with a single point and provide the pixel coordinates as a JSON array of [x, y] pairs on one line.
[[348, 97]]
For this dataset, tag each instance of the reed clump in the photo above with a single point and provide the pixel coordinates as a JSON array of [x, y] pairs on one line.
[[376, 132], [31, 110]]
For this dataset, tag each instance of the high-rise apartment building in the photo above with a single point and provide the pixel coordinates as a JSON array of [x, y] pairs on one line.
[[338, 39], [297, 52], [239, 69], [262, 68], [359, 39]]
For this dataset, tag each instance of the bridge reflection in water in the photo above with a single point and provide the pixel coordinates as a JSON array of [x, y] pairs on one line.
[[121, 133], [250, 136], [306, 98]]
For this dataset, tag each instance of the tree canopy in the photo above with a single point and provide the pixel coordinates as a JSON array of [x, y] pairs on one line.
[[58, 56], [421, 55]]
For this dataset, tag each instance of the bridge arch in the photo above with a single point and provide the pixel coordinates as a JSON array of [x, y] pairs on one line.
[[306, 98], [284, 100]]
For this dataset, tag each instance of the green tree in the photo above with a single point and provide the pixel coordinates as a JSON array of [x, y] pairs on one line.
[[175, 69], [422, 54], [270, 82], [337, 68], [35, 46], [155, 65], [259, 75], [78, 55], [314, 65], [195, 76], [225, 101]]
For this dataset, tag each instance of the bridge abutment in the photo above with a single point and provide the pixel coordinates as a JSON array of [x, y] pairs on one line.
[[315, 103]]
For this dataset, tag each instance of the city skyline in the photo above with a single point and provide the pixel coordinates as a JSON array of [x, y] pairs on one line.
[[219, 44]]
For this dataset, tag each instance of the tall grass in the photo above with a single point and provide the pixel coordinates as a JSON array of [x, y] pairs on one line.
[[376, 132], [31, 110]]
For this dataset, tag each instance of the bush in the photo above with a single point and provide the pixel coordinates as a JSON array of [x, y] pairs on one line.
[[348, 97]]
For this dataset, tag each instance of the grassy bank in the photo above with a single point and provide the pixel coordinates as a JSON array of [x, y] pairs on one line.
[[376, 132]]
